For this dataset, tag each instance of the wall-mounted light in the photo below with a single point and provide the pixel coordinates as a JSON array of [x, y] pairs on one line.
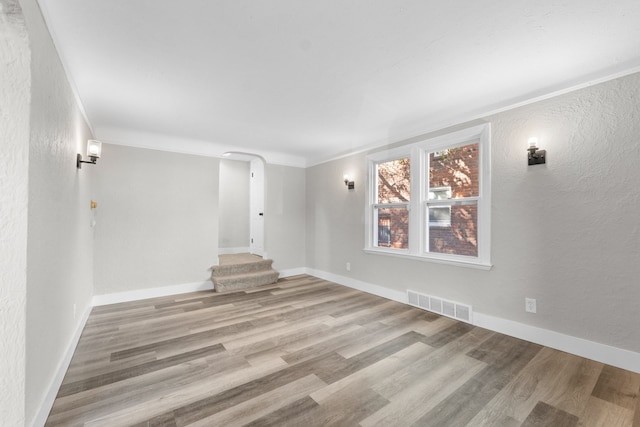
[[94, 149], [349, 182], [536, 156]]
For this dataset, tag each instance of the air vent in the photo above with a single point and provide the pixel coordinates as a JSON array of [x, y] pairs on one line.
[[448, 308], [413, 298], [423, 301], [442, 306], [435, 305]]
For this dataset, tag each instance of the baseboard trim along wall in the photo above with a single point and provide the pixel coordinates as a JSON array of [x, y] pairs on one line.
[[613, 356], [380, 291], [164, 291], [292, 272], [47, 403], [161, 291]]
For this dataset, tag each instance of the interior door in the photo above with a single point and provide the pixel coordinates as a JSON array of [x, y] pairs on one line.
[[256, 207]]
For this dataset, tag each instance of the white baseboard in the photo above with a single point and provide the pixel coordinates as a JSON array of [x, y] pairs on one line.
[[292, 272], [613, 356], [41, 415], [161, 291], [380, 291], [229, 251]]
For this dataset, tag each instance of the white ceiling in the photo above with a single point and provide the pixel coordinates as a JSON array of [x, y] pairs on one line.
[[302, 81]]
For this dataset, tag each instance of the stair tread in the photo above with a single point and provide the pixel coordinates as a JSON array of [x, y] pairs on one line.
[[245, 281], [232, 269], [242, 258], [250, 274], [242, 271]]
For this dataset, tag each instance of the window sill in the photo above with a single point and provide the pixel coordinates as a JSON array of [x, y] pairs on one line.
[[435, 259]]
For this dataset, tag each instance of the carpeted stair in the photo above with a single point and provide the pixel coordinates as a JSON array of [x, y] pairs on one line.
[[242, 271]]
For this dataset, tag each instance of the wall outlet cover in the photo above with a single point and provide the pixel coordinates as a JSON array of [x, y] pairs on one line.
[[530, 305]]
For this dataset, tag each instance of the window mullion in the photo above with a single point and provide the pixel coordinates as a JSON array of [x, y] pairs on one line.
[[392, 205], [424, 197], [453, 202], [415, 225], [375, 221]]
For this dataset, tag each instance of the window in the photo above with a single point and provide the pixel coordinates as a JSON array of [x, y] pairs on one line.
[[431, 200], [391, 207]]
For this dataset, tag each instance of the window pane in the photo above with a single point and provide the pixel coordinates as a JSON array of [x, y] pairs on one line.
[[460, 236], [393, 227], [440, 216], [454, 173], [394, 181], [439, 193]]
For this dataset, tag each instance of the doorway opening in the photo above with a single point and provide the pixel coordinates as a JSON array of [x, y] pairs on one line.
[[242, 216]]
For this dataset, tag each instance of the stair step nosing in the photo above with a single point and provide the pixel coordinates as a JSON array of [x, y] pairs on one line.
[[260, 265], [251, 274]]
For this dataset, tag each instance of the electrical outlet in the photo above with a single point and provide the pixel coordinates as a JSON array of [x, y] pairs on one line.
[[348, 266], [530, 305]]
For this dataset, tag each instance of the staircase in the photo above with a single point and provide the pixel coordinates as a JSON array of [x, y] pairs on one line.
[[242, 271]]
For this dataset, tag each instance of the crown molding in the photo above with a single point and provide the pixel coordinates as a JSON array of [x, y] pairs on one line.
[[182, 145]]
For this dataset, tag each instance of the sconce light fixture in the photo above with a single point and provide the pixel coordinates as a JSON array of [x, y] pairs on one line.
[[349, 182], [536, 156], [94, 149]]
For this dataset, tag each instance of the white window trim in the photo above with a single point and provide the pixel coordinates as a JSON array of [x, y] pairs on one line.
[[417, 205]]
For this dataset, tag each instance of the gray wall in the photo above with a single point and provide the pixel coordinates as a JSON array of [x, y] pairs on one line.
[[157, 219], [234, 204], [59, 244], [15, 94], [565, 233], [285, 216]]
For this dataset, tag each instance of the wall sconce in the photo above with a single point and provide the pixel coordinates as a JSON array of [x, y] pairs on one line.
[[94, 149], [349, 183], [536, 156]]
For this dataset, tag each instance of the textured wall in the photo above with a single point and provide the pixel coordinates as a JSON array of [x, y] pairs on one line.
[[234, 204], [285, 216], [60, 239], [565, 233], [15, 80], [157, 219]]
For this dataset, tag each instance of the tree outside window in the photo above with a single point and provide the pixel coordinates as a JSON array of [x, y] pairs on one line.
[[457, 170], [393, 197]]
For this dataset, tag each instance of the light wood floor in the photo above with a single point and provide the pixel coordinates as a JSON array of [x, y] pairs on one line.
[[307, 352]]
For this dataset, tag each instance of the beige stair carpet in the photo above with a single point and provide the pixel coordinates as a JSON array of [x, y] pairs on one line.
[[242, 271]]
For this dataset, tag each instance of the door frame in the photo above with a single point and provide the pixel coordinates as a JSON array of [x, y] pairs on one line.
[[256, 194], [249, 157]]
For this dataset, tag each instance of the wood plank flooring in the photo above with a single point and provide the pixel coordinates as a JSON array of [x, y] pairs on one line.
[[307, 352]]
